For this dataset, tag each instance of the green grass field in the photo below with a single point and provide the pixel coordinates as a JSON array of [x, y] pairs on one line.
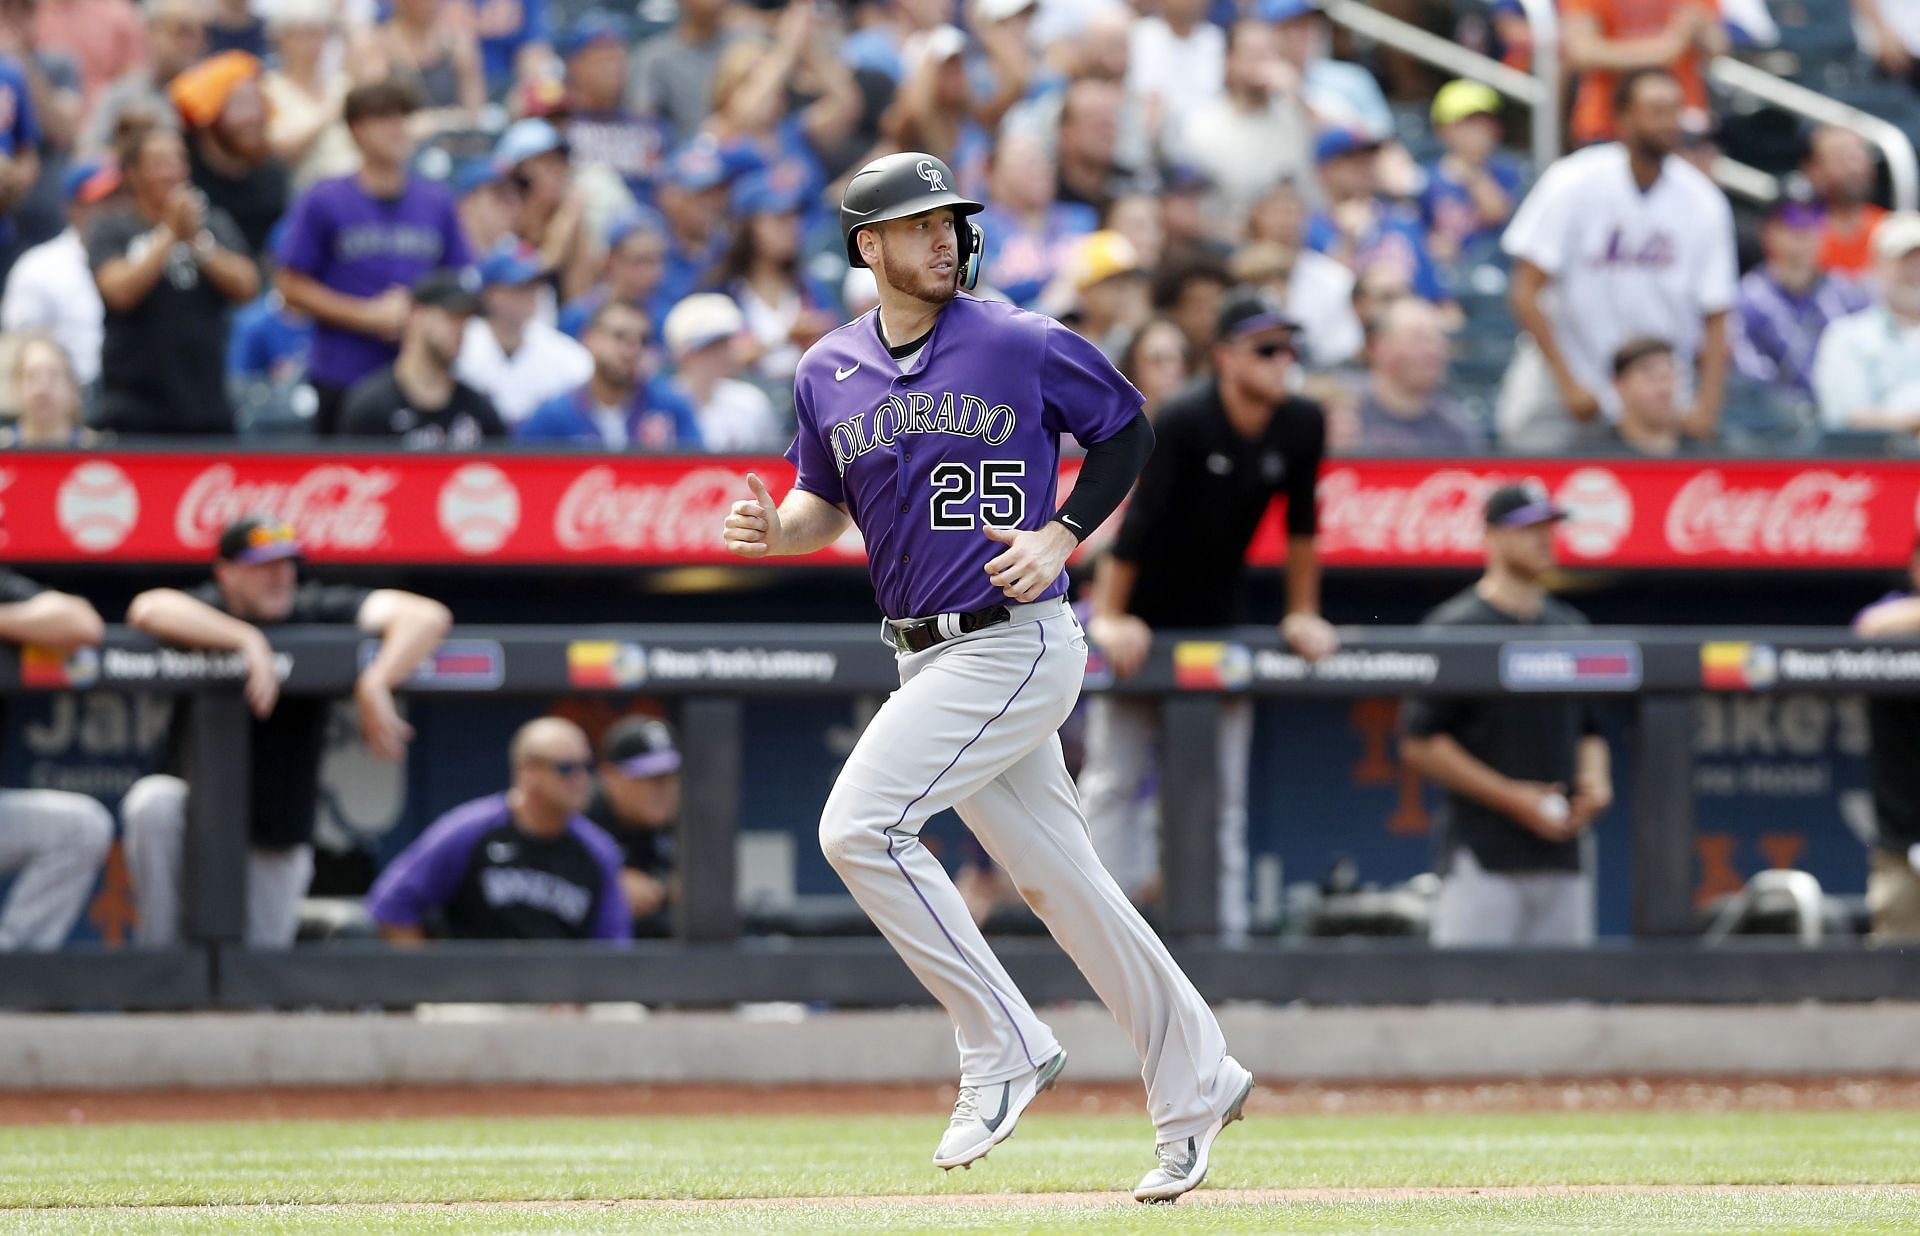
[[809, 1175]]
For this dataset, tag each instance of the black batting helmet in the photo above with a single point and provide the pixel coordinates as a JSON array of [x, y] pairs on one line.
[[897, 185]]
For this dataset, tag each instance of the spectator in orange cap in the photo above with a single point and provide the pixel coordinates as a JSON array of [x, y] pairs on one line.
[[225, 116]]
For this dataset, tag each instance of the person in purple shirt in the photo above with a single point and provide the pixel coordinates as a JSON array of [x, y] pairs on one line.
[[356, 244], [620, 408], [1785, 304], [933, 424], [523, 865]]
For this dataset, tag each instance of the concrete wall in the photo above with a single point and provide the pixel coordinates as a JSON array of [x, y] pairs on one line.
[[785, 1044]]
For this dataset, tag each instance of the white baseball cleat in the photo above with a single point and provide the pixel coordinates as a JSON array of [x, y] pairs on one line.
[[1183, 1164], [976, 1129]]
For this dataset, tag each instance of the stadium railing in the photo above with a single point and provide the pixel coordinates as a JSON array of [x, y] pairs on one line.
[[716, 669]]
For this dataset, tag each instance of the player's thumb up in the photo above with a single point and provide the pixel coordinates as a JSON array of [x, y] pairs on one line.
[[760, 492], [1003, 535]]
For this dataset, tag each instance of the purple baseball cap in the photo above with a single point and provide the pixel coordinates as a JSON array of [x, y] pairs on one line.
[[642, 747], [256, 539], [1521, 506]]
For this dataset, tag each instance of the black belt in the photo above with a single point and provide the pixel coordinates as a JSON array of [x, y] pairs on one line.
[[922, 635]]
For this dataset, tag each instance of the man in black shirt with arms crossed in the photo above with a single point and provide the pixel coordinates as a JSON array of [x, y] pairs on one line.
[[1225, 447], [1524, 775]]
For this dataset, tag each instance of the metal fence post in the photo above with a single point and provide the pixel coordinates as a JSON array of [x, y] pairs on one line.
[[709, 818], [214, 862], [1189, 812], [1662, 827]]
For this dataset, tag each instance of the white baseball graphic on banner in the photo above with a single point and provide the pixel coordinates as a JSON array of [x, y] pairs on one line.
[[479, 508], [1600, 512], [97, 506]]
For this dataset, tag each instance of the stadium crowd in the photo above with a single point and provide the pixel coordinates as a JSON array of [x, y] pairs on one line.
[[230, 217]]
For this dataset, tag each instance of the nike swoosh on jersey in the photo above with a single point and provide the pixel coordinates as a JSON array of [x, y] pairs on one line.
[[841, 375]]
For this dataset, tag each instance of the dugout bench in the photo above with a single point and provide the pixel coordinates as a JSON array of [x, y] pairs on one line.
[[717, 668]]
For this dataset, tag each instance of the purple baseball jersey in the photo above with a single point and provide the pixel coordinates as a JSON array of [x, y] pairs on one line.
[[484, 879], [350, 241], [968, 435]]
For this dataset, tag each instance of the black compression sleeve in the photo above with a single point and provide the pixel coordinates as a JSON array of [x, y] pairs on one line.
[[1106, 475]]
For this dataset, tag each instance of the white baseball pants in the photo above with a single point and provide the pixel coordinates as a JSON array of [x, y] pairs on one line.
[[975, 726], [56, 842], [154, 814], [1123, 735], [1477, 908]]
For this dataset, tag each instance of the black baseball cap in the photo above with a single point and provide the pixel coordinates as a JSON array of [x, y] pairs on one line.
[[1249, 311], [642, 747], [456, 291], [1521, 506], [258, 538]]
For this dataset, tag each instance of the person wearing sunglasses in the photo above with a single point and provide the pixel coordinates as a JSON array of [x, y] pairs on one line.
[[1227, 447], [256, 588], [526, 864]]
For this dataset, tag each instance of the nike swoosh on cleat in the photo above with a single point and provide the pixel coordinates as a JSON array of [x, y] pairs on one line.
[[841, 375], [1006, 1093]]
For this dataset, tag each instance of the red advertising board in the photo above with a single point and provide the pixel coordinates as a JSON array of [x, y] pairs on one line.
[[569, 509]]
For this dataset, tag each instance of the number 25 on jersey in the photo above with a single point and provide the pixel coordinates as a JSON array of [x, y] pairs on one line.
[[996, 483]]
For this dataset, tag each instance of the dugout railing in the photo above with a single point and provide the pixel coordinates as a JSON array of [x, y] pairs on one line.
[[714, 672]]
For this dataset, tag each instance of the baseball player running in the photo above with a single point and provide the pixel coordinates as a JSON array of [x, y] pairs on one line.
[[933, 423]]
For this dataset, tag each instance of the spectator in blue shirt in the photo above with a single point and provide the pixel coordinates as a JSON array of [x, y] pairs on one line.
[[269, 342], [752, 120], [1359, 226], [693, 198], [635, 272], [621, 408], [515, 42], [523, 865], [19, 146], [600, 127], [1472, 188], [1029, 234], [1785, 304]]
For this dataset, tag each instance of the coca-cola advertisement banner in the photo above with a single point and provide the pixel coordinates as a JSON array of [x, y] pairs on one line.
[[565, 509]]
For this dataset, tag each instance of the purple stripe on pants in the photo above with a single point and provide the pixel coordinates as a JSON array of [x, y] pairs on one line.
[[891, 835]]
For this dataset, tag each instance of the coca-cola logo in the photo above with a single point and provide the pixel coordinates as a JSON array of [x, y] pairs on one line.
[[599, 512], [1815, 514], [1443, 514], [334, 506], [97, 507], [1599, 512]]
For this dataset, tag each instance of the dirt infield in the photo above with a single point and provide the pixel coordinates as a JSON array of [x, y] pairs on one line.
[[364, 1103]]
